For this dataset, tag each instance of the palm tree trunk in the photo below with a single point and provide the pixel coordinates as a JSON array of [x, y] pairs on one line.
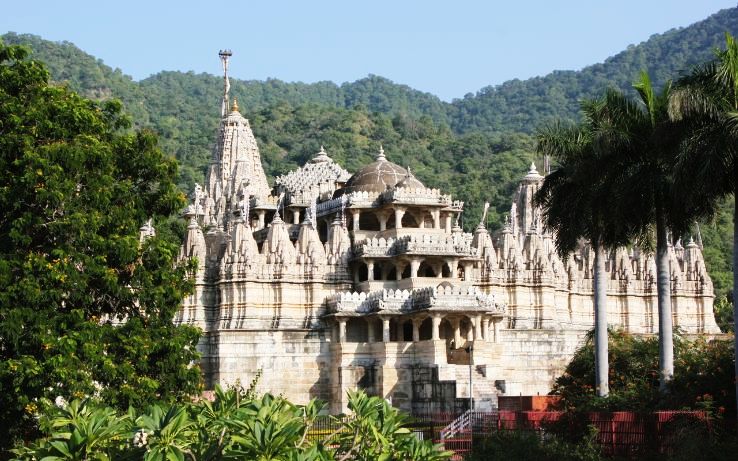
[[600, 317], [663, 286], [735, 289]]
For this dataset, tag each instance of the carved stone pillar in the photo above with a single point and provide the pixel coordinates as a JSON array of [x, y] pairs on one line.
[[382, 217], [370, 270], [416, 329], [485, 329], [399, 268], [436, 219], [370, 330], [385, 330], [468, 268], [356, 214], [453, 266], [447, 225], [435, 327], [456, 325], [414, 266], [496, 330], [399, 213], [477, 327], [342, 330], [262, 219], [296, 216]]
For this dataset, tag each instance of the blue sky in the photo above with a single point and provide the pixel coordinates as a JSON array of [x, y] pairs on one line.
[[448, 48]]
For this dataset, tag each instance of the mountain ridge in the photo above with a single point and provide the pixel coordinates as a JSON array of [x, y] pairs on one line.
[[514, 105]]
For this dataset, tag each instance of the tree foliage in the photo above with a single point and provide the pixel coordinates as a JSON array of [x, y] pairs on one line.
[[85, 308], [703, 376]]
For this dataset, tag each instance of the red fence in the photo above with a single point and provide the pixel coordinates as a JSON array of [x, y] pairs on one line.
[[618, 433]]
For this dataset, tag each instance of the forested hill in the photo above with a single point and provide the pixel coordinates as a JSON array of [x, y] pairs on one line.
[[524, 105], [517, 105]]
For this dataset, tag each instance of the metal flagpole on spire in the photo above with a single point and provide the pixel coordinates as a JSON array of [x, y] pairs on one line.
[[224, 56]]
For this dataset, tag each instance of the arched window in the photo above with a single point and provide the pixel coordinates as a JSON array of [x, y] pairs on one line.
[[408, 220], [368, 221], [425, 270], [426, 329]]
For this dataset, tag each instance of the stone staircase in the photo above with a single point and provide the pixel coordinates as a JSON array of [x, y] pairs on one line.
[[485, 393]]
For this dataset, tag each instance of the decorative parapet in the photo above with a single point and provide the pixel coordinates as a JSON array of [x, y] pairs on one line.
[[357, 199], [428, 244], [416, 196], [374, 247], [450, 298]]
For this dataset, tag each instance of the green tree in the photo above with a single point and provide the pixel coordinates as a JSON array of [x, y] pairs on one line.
[[85, 307], [707, 98], [576, 203]]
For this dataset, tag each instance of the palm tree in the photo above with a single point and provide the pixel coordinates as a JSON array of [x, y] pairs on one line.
[[644, 144], [572, 199], [707, 99]]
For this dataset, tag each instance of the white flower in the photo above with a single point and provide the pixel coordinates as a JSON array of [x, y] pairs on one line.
[[60, 401], [140, 438]]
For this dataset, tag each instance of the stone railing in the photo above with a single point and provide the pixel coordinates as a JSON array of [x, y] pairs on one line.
[[440, 298], [435, 245], [362, 303], [456, 298], [426, 244], [419, 196], [354, 198], [374, 247]]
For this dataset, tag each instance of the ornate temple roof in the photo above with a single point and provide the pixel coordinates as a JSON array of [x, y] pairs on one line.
[[375, 177], [312, 177]]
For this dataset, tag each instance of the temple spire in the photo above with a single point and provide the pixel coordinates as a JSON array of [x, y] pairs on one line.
[[224, 56]]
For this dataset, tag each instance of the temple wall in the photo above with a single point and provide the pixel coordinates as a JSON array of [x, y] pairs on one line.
[[532, 359], [296, 364]]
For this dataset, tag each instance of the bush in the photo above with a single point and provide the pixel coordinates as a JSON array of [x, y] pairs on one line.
[[703, 377], [237, 425], [528, 445]]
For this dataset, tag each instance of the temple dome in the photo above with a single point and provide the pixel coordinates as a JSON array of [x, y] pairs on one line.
[[375, 177]]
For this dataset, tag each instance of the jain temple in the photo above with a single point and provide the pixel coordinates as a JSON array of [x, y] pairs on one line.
[[333, 280]]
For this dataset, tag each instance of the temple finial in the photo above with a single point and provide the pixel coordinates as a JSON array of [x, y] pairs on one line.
[[234, 108], [381, 157], [224, 56]]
